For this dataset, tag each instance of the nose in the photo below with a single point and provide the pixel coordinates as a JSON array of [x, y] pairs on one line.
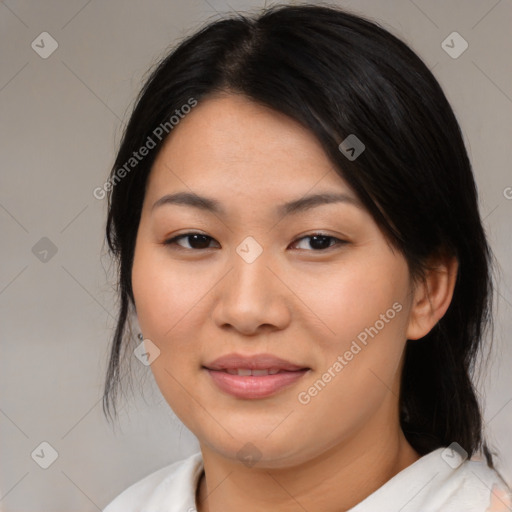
[[252, 297]]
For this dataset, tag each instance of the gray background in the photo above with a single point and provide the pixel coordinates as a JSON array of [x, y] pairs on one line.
[[62, 119]]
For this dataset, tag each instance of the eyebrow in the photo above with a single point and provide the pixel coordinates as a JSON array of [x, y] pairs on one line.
[[296, 206]]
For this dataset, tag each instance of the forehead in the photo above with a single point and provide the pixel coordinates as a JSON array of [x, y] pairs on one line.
[[231, 146]]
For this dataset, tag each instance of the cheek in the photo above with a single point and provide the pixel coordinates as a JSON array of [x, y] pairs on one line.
[[167, 303], [359, 368], [165, 297], [347, 298], [365, 306]]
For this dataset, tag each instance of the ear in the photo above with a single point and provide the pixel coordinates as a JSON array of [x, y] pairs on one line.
[[432, 296]]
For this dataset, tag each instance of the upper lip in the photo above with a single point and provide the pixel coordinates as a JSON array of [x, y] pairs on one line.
[[254, 362]]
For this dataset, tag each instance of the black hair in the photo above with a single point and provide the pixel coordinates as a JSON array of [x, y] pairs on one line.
[[339, 74]]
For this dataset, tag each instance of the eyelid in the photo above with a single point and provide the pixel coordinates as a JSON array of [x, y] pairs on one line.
[[338, 241], [174, 239]]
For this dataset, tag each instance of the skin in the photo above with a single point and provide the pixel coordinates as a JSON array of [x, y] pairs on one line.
[[295, 301]]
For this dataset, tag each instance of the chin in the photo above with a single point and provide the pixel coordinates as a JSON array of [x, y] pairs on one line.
[[257, 450]]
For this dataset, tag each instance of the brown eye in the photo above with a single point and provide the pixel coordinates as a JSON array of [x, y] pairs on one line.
[[198, 241], [195, 241], [319, 242]]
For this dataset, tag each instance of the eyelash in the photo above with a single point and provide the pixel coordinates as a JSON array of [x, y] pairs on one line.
[[172, 241]]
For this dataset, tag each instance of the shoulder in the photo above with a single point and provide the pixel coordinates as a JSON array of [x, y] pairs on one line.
[[176, 481], [480, 487], [441, 481], [469, 485]]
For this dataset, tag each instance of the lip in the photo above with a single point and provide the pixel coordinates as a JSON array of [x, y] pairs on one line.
[[254, 362], [254, 386]]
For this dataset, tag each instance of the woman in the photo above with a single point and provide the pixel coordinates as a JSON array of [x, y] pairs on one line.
[[295, 220]]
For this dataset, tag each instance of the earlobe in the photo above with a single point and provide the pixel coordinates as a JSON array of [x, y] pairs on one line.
[[432, 296]]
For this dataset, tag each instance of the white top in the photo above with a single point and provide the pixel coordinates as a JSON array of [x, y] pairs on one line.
[[436, 482]]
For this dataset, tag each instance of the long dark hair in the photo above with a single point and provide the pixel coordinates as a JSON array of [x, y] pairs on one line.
[[339, 74]]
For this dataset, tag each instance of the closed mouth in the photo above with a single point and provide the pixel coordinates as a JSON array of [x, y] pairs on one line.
[[246, 372]]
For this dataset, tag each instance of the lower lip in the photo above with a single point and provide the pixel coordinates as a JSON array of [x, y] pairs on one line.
[[251, 386]]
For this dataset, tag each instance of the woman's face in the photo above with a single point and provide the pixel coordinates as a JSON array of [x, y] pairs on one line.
[[256, 284]]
